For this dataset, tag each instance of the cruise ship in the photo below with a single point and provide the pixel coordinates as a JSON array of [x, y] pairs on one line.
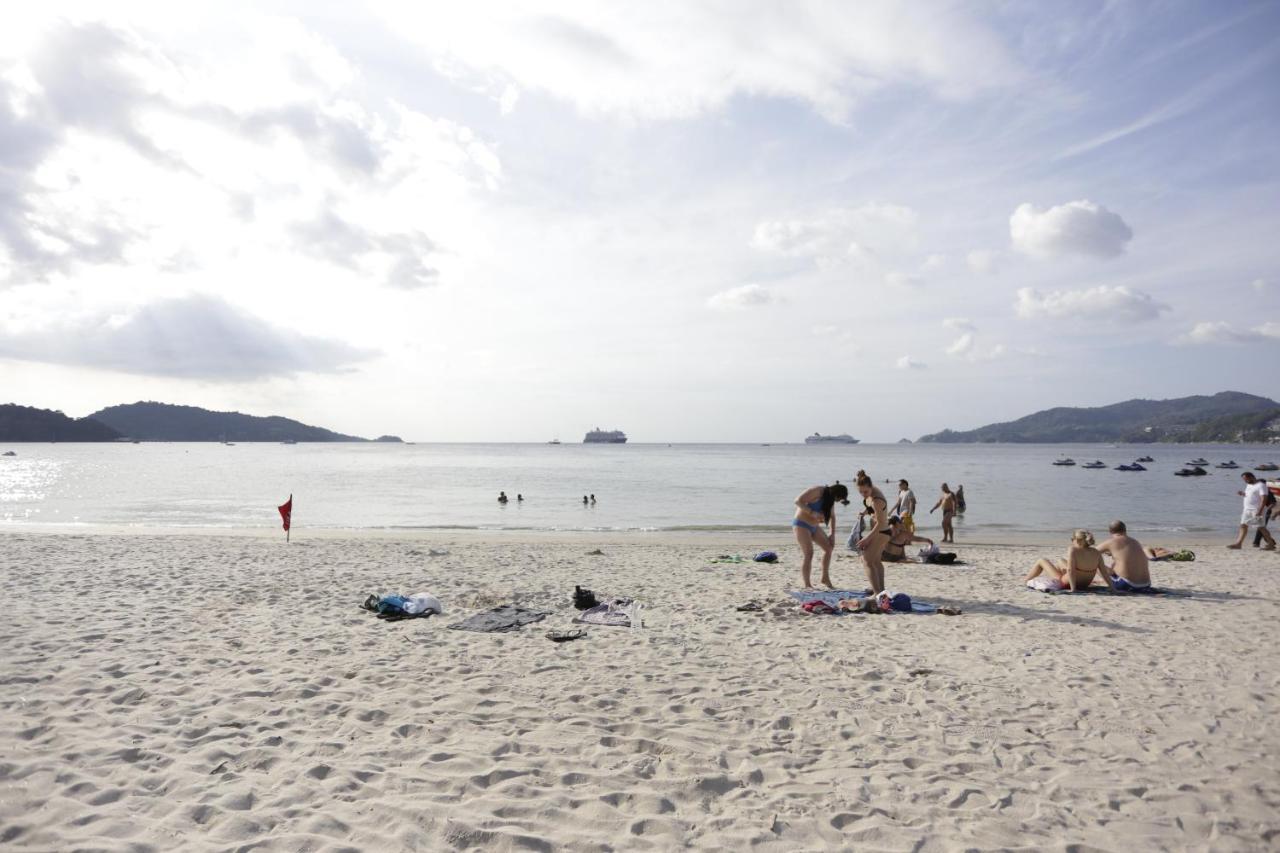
[[603, 436], [843, 438]]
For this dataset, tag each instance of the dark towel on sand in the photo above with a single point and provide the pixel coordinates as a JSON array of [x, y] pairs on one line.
[[508, 617]]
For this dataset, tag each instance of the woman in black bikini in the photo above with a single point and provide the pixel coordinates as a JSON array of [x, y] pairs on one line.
[[872, 545], [899, 538]]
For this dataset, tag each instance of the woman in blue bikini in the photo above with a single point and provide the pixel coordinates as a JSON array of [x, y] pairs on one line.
[[814, 508]]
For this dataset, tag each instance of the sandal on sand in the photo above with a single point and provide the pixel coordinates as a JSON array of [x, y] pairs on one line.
[[566, 636], [950, 611]]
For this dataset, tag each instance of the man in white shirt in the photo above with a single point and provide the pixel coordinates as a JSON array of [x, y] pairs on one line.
[[1255, 492], [905, 508]]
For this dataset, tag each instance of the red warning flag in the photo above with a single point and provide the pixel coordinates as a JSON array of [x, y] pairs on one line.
[[286, 512]]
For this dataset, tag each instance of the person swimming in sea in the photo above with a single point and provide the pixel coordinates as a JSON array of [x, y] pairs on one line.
[[816, 507], [873, 544], [502, 497]]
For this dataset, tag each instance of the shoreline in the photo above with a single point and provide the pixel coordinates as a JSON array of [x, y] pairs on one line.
[[718, 538]]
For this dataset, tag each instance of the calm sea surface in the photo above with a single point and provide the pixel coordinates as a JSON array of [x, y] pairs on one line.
[[638, 487]]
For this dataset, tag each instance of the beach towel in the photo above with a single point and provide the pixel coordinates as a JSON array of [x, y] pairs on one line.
[[1183, 556], [1102, 590], [618, 613], [832, 599], [508, 617], [728, 558]]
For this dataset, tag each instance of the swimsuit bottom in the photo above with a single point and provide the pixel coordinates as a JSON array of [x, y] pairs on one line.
[[1124, 586], [806, 525]]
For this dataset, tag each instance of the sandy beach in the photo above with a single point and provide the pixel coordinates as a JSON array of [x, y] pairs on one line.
[[226, 692]]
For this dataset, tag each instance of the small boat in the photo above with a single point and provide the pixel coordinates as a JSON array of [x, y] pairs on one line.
[[554, 441], [1134, 467], [1190, 472], [1145, 459], [1198, 462], [1065, 462], [1095, 464], [1267, 466], [1229, 465]]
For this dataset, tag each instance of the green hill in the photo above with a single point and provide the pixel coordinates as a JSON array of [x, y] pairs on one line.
[[25, 423], [165, 422], [1229, 416]]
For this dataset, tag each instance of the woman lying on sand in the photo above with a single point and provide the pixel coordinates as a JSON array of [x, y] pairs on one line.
[[1078, 569], [872, 545], [814, 508]]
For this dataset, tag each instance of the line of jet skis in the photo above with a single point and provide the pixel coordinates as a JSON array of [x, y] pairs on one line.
[[1196, 468]]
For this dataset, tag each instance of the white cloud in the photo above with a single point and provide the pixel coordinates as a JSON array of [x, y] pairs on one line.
[[965, 346], [933, 263], [1104, 302], [962, 346], [959, 324], [263, 145], [1259, 284], [1222, 332], [192, 337], [740, 298], [902, 279], [982, 261], [841, 234], [906, 362], [664, 61], [1074, 228]]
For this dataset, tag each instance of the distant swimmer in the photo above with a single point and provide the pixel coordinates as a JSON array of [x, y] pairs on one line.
[[584, 500], [502, 497], [593, 500], [816, 507], [519, 498]]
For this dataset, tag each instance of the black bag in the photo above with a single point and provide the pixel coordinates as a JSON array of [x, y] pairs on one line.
[[944, 559], [584, 599]]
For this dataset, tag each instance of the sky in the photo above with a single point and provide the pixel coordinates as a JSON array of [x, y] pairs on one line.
[[714, 221]]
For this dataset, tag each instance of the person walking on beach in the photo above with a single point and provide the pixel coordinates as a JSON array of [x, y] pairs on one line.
[[905, 508], [1130, 567], [1254, 494], [873, 544], [1268, 511], [815, 507], [948, 504]]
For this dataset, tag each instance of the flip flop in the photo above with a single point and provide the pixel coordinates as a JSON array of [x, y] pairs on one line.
[[566, 636], [950, 611]]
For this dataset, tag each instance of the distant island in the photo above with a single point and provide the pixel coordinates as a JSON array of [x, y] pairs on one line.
[[1229, 417], [26, 423], [150, 421]]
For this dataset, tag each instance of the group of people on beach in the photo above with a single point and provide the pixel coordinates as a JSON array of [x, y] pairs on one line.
[[883, 534]]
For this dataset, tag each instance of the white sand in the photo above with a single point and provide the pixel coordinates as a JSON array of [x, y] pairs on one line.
[[208, 692]]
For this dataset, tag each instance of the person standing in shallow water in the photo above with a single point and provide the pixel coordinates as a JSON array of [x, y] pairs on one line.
[[873, 544], [948, 504], [814, 508]]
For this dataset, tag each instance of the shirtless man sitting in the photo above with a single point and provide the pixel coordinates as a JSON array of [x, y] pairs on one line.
[[1129, 569]]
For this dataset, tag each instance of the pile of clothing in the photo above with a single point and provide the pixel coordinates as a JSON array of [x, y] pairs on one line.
[[395, 606]]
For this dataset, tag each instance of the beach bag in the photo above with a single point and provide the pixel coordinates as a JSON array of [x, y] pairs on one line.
[[392, 605], [766, 557], [1183, 556], [941, 559], [584, 599]]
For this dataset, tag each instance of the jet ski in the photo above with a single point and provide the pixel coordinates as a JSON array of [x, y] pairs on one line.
[[1190, 472], [1145, 459], [1198, 462], [1097, 463], [1229, 465], [1134, 467], [1267, 466], [1065, 462]]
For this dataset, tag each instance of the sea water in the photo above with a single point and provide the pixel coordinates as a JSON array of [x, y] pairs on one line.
[[637, 486]]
